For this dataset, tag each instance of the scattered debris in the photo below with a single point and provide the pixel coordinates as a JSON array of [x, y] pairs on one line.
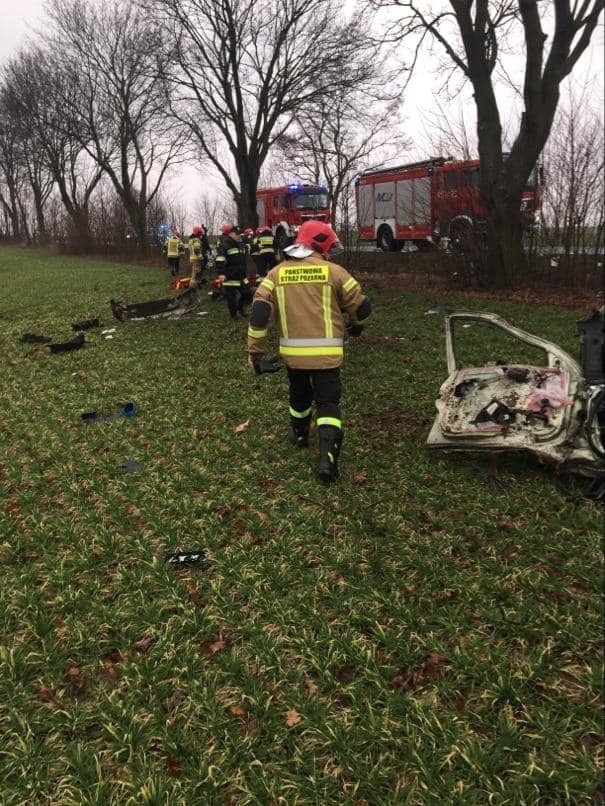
[[34, 338], [435, 309], [130, 466], [67, 346], [183, 559], [86, 324], [179, 283], [108, 331], [181, 304], [555, 411], [242, 426], [129, 409], [125, 410]]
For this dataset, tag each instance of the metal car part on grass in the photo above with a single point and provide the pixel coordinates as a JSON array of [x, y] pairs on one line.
[[552, 411], [181, 304]]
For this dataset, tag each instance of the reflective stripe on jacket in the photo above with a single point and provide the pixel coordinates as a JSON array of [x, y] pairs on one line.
[[307, 299], [263, 245], [231, 259], [174, 247], [195, 249]]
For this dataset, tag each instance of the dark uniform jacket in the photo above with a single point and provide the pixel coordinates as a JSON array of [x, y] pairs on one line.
[[231, 260]]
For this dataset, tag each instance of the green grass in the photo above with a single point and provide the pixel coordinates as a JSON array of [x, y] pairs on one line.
[[426, 631]]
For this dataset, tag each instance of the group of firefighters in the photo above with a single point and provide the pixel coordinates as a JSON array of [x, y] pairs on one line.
[[308, 296]]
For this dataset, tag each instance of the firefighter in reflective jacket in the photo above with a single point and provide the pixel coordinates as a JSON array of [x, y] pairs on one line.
[[231, 266], [174, 249], [263, 251], [308, 294], [199, 249]]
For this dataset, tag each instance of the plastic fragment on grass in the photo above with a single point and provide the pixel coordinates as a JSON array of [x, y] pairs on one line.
[[86, 324], [188, 559], [67, 346], [34, 338], [128, 409], [130, 466]]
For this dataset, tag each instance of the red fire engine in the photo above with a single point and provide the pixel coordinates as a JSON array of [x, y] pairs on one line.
[[428, 202], [285, 208]]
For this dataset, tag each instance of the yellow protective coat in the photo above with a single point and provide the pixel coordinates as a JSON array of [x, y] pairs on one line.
[[308, 298]]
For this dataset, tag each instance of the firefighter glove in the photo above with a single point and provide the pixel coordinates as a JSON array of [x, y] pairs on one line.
[[263, 366], [354, 329]]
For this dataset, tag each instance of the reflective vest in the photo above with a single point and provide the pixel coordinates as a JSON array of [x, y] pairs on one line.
[[195, 249], [174, 247], [264, 245], [307, 298]]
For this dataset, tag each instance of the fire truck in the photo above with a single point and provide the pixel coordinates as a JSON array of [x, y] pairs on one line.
[[285, 208], [431, 203]]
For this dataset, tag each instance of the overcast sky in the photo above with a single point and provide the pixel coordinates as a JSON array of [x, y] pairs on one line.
[[19, 18]]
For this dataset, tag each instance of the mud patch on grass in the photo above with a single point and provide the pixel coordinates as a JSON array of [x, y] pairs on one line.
[[384, 426]]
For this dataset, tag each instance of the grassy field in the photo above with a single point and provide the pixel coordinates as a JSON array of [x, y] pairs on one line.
[[426, 631]]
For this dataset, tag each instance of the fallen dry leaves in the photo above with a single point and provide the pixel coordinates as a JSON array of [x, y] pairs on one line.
[[76, 680], [292, 718], [173, 766], [50, 695], [143, 644], [238, 711], [432, 669], [212, 646]]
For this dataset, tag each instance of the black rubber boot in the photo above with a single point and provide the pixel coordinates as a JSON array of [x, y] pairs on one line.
[[298, 433], [330, 442]]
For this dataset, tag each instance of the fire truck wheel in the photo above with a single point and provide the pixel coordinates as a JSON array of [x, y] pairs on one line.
[[385, 239], [462, 236]]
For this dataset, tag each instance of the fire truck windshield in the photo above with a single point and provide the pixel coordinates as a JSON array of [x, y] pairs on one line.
[[311, 201]]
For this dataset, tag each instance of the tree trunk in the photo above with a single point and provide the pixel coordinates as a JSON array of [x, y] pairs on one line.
[[42, 237], [505, 263], [248, 173]]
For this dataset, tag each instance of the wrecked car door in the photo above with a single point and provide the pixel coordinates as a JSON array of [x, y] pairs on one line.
[[545, 408]]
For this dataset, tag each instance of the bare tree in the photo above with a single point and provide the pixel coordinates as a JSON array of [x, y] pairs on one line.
[[472, 34], [448, 133], [12, 173], [111, 56], [247, 66], [573, 210], [36, 90], [207, 209]]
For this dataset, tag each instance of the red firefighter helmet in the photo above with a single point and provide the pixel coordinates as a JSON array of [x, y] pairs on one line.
[[315, 235], [196, 231], [176, 233], [265, 230], [227, 229]]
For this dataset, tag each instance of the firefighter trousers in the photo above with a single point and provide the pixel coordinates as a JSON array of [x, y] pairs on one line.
[[238, 297], [321, 386], [264, 263]]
